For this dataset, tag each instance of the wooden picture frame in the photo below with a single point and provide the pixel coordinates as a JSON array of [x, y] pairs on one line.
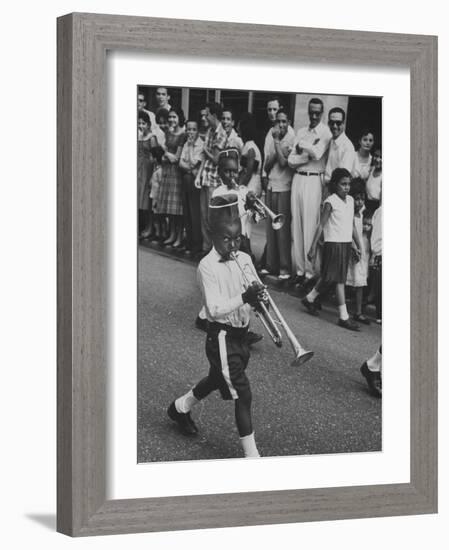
[[83, 40]]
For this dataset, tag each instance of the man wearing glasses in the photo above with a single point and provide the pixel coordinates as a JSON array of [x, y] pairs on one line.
[[341, 149], [308, 159]]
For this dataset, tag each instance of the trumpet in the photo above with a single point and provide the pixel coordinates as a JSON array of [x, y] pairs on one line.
[[271, 324], [277, 220]]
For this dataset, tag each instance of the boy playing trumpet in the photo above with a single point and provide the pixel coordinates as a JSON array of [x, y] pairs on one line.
[[228, 300]]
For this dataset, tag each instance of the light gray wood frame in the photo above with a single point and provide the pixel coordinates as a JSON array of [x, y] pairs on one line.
[[83, 40]]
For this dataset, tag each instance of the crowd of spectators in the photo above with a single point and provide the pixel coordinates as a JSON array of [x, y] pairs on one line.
[[327, 188]]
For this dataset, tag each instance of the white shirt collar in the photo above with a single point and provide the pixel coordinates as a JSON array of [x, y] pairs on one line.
[[341, 138]]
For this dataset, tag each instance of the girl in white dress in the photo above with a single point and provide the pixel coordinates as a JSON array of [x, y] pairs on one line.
[[341, 241], [358, 269]]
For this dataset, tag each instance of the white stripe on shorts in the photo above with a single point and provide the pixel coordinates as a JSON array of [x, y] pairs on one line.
[[224, 363]]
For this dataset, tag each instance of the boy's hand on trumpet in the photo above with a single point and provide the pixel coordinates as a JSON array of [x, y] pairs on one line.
[[250, 200], [255, 294]]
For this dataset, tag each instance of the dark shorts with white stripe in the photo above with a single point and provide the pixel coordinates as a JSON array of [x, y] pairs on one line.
[[228, 356]]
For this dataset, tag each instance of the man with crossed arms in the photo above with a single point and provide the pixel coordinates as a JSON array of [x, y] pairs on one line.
[[308, 159]]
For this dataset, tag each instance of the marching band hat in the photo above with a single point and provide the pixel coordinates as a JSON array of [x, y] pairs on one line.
[[223, 210]]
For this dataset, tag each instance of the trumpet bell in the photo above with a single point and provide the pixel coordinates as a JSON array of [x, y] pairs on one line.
[[302, 357], [278, 222]]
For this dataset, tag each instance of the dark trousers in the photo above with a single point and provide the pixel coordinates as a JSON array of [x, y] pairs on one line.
[[228, 355], [192, 213], [279, 243]]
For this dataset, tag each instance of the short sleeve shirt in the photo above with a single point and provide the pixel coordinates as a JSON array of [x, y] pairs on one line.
[[338, 228], [214, 139]]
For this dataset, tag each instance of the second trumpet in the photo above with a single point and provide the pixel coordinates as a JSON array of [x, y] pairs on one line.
[[277, 220]]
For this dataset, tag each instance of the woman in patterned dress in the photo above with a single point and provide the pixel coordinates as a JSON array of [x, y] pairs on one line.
[[169, 201], [146, 139]]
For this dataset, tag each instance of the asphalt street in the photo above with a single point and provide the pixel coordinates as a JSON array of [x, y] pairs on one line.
[[322, 407]]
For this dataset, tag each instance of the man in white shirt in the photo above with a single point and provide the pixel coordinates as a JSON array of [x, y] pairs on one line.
[[207, 178], [308, 159], [278, 257], [273, 106], [233, 141], [341, 149]]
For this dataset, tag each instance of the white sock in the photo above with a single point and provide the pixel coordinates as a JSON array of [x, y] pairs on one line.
[[343, 312], [184, 403], [375, 362], [249, 446], [202, 313], [312, 295]]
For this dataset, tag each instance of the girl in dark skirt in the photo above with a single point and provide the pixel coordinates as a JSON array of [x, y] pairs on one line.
[[340, 242]]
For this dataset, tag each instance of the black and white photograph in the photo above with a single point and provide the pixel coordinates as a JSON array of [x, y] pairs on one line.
[[259, 273]]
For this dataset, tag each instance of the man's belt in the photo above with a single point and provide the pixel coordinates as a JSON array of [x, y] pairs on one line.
[[303, 173]]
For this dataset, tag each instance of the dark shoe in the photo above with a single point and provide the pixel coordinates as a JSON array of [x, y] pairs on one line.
[[299, 280], [185, 423], [373, 380], [310, 306], [201, 324], [362, 319], [252, 338], [348, 324]]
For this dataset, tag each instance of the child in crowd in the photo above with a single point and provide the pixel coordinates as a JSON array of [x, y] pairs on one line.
[[145, 141], [337, 224], [376, 262], [162, 120], [191, 157], [374, 182], [251, 159], [158, 221], [203, 123], [228, 299], [358, 269], [228, 172], [233, 140]]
